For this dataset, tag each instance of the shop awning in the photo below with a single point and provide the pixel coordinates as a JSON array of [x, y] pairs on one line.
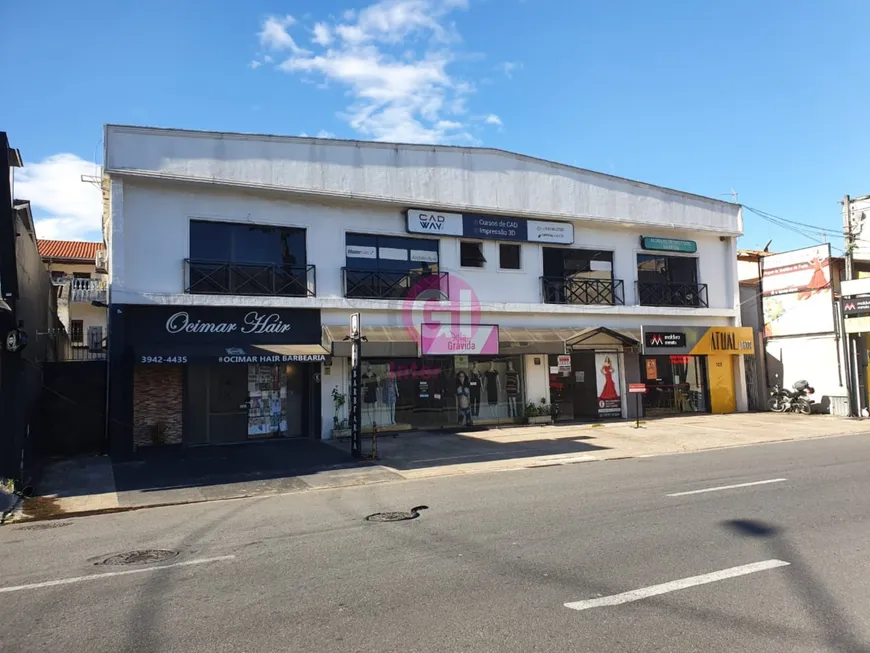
[[521, 340], [381, 341], [205, 354], [603, 337]]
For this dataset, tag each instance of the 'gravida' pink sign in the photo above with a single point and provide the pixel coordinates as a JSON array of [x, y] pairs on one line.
[[456, 339]]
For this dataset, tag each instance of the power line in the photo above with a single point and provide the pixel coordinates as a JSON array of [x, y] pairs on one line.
[[815, 228], [793, 226]]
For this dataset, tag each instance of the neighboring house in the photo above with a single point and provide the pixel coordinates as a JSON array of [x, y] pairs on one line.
[[789, 298], [27, 314], [236, 261], [78, 270]]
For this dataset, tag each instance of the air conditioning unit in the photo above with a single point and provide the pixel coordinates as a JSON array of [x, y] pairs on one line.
[[102, 260], [95, 339]]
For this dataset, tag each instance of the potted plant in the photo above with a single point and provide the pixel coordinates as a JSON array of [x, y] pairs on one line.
[[340, 426], [539, 413]]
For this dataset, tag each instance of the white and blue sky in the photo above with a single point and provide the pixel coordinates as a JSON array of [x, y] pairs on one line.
[[766, 98]]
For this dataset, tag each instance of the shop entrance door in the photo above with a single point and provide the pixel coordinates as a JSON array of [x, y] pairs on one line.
[[228, 404], [585, 385]]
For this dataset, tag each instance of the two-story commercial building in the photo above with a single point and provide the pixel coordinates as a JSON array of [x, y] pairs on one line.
[[485, 280]]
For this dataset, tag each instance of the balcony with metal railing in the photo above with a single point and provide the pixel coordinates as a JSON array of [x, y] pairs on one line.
[[384, 284], [690, 295], [226, 278], [560, 290]]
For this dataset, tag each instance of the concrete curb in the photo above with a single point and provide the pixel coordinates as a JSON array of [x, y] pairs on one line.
[[19, 516]]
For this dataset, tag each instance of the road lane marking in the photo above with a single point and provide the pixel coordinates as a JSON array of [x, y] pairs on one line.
[[673, 586], [727, 487], [111, 574]]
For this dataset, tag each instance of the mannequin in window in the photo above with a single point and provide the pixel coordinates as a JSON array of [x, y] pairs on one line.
[[463, 399], [512, 388], [390, 393], [492, 382], [370, 392], [475, 383]]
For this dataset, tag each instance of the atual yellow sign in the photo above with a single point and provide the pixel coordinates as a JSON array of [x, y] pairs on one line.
[[725, 340]]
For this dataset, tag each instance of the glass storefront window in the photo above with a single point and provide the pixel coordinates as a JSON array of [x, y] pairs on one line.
[[675, 384], [442, 392]]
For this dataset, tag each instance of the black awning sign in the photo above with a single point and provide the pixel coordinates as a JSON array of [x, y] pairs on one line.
[[665, 339], [854, 307]]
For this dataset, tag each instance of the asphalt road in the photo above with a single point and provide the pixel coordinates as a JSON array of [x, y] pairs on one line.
[[490, 566]]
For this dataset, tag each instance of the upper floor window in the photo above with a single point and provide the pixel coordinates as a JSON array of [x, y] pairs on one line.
[[669, 281], [248, 259], [471, 254], [580, 276], [658, 268], [81, 275], [235, 242], [387, 267], [509, 256]]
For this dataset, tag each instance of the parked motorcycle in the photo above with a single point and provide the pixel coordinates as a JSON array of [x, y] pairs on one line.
[[797, 400]]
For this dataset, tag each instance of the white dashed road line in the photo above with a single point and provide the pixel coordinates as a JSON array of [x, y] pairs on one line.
[[673, 586], [727, 487], [111, 574]]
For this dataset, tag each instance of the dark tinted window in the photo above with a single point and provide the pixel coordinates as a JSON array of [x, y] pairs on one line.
[[246, 243], [564, 263], [471, 255], [657, 268], [81, 275], [509, 257]]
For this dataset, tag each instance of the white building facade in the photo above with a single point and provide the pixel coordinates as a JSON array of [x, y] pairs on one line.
[[485, 281]]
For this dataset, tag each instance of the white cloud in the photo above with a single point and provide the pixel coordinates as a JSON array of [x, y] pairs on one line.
[[394, 58], [508, 68], [325, 134], [493, 119], [322, 34], [255, 64], [65, 207], [275, 36]]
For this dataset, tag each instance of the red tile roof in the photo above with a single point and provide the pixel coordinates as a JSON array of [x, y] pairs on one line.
[[68, 249]]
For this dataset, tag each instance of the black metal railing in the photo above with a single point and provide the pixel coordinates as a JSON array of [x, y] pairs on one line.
[[224, 278], [383, 284], [672, 294], [559, 290]]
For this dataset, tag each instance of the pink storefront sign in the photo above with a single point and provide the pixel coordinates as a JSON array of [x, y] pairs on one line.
[[454, 339]]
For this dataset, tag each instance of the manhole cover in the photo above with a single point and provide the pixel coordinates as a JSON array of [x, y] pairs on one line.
[[413, 513], [139, 557], [44, 526]]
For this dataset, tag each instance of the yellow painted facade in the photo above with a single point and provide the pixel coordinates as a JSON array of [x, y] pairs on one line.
[[720, 345]]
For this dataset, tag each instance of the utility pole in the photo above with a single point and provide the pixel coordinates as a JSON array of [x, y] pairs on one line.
[[849, 350]]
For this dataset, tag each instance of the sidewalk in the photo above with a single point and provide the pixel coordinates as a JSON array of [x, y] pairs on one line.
[[97, 484]]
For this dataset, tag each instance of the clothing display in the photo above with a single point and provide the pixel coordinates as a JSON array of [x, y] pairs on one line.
[[491, 377], [512, 383], [475, 381], [389, 391], [370, 388]]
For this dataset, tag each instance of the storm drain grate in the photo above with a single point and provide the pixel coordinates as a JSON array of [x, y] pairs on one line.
[[139, 557], [413, 513]]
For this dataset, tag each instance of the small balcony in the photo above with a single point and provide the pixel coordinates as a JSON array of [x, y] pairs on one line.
[[559, 290], [224, 278], [691, 295], [383, 284], [88, 290]]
